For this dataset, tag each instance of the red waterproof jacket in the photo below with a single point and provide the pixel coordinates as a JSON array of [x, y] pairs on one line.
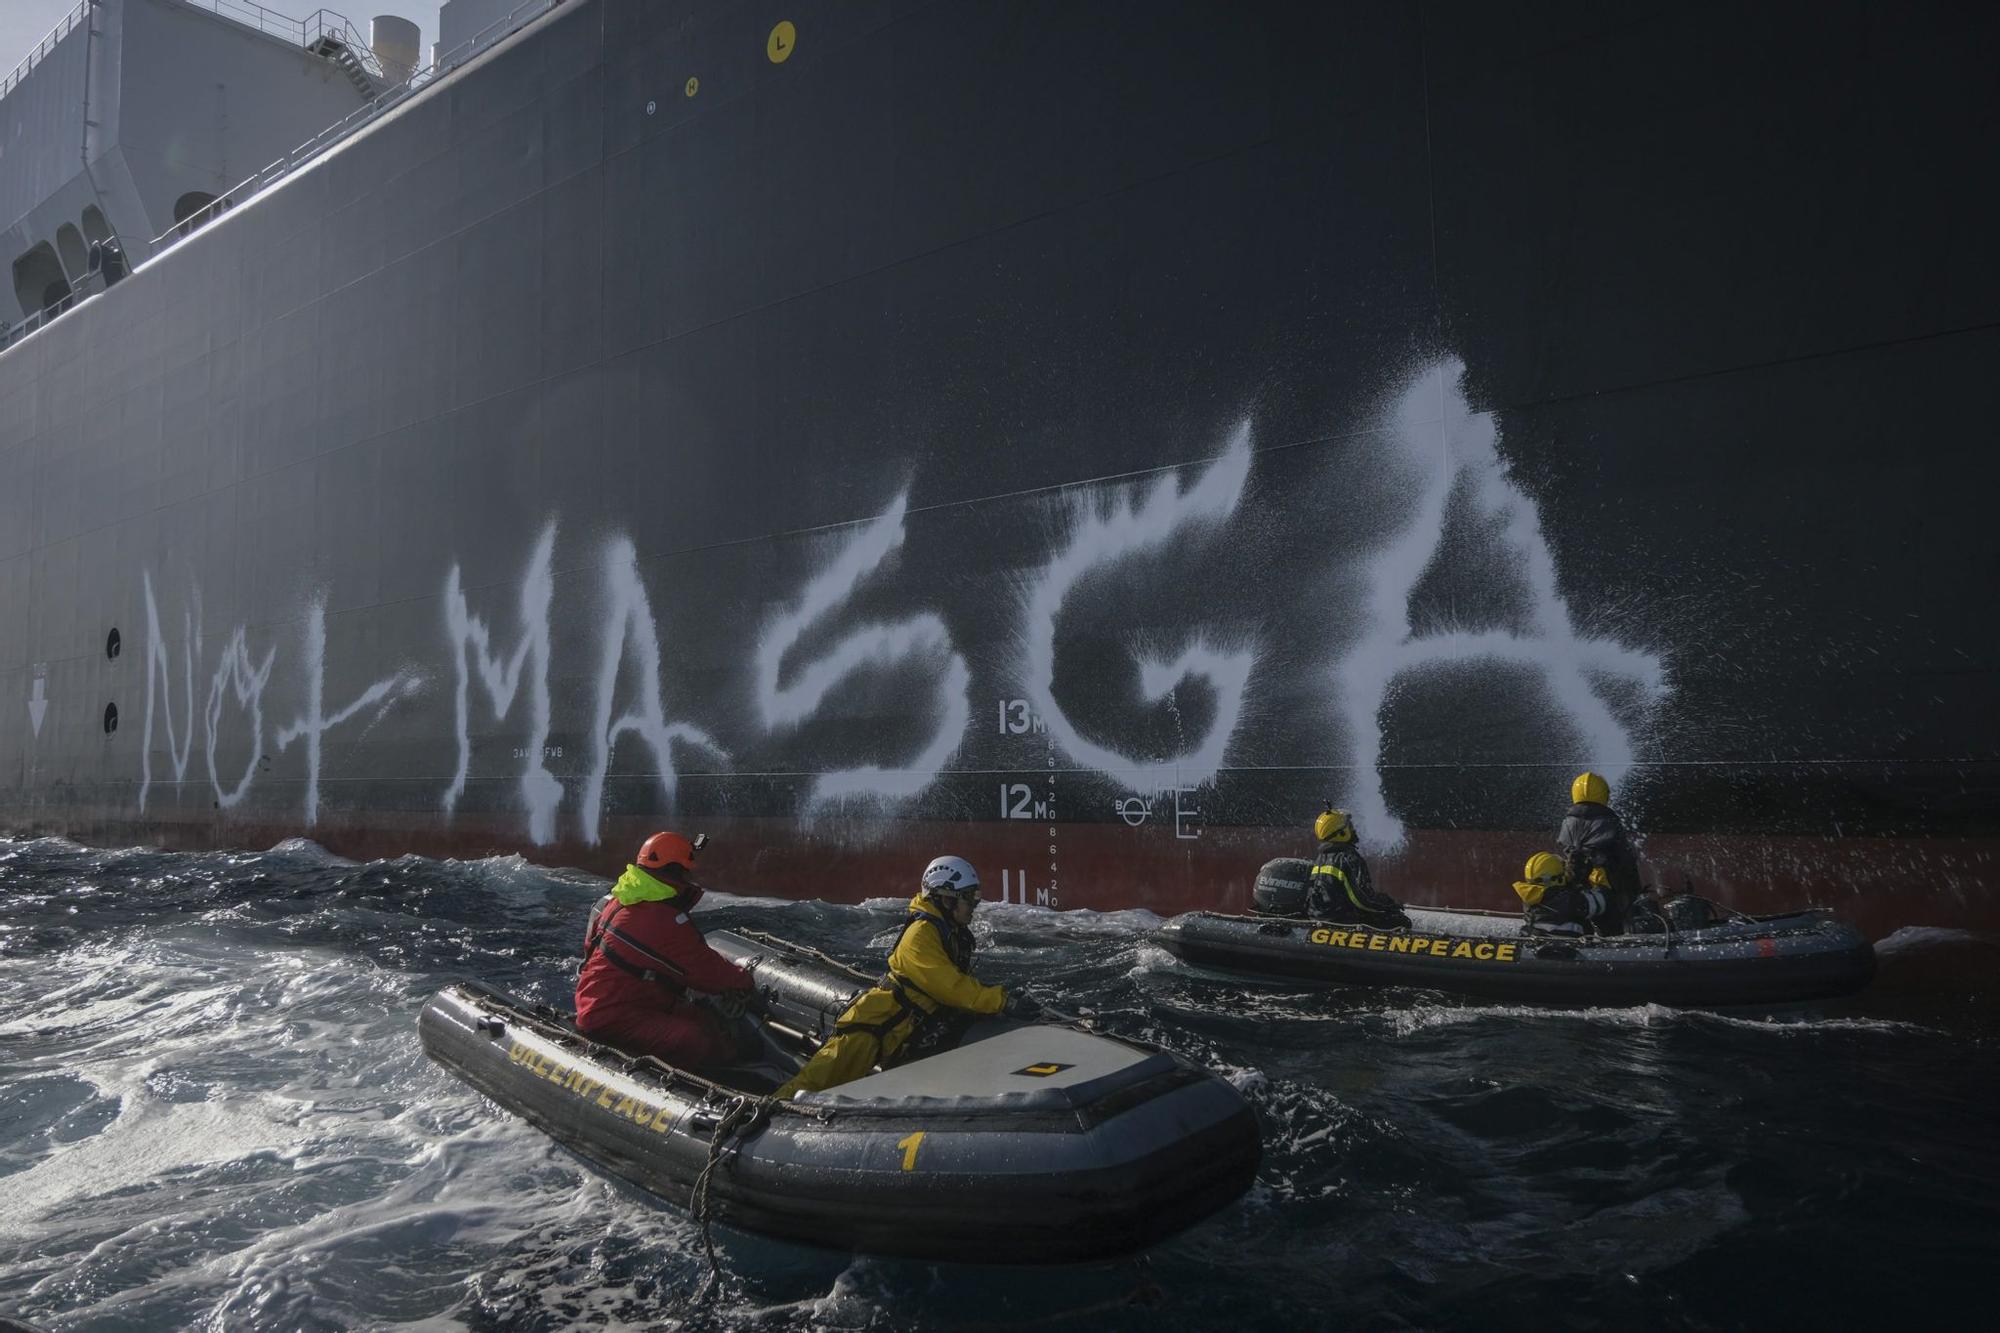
[[642, 952]]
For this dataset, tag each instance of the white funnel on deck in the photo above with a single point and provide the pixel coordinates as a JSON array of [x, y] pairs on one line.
[[396, 43]]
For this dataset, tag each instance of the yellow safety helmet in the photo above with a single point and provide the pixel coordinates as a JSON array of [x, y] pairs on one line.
[[1544, 871], [1333, 826], [1590, 787]]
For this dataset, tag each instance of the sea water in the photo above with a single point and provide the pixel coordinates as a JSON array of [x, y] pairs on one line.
[[214, 1113]]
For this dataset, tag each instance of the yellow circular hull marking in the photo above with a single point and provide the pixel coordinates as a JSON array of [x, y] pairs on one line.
[[694, 86], [779, 44]]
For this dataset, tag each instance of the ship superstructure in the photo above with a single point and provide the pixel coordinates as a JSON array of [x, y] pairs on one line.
[[133, 117]]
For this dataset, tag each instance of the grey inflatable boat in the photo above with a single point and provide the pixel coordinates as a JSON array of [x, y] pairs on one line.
[[1024, 1143], [1725, 960]]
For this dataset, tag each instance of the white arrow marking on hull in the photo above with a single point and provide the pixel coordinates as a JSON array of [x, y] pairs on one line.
[[38, 704]]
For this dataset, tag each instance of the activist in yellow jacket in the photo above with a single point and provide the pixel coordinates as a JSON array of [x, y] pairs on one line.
[[929, 974]]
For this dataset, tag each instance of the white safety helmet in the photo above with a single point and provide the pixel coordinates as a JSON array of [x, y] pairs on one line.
[[951, 874]]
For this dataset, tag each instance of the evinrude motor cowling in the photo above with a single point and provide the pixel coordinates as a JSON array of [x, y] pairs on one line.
[[1281, 887]]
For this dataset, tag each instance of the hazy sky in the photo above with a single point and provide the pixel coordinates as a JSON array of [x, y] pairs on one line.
[[23, 23]]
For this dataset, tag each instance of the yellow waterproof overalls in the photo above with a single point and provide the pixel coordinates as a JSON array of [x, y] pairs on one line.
[[926, 973]]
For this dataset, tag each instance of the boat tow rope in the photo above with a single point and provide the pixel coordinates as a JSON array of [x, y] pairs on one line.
[[742, 1115], [806, 950]]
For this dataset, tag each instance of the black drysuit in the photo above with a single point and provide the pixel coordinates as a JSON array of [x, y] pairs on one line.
[[1340, 890], [1591, 838]]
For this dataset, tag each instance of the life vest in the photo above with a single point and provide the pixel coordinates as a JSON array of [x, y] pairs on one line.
[[958, 944], [630, 956]]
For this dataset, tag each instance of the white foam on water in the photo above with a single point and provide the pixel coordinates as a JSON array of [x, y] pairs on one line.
[[1149, 959], [1409, 1022], [146, 1142], [1076, 922], [464, 1192], [1910, 939], [238, 1203], [1068, 920], [307, 849], [10, 847], [1557, 1238], [178, 1014]]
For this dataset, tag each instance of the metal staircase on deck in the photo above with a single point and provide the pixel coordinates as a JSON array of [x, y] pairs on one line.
[[326, 34], [331, 47]]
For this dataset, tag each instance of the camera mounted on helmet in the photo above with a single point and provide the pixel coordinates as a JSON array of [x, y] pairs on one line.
[[671, 852]]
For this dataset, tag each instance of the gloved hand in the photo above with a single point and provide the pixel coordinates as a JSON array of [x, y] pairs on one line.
[[1021, 1005]]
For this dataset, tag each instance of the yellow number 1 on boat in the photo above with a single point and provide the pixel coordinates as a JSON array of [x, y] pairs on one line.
[[909, 1147]]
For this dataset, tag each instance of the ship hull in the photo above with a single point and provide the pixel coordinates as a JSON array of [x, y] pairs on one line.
[[1080, 438]]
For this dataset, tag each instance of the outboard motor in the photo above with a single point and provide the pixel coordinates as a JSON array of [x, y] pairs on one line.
[[1281, 887], [1688, 912]]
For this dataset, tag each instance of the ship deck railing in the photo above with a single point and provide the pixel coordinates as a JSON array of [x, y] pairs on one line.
[[46, 45], [309, 33], [313, 32], [522, 14], [90, 284]]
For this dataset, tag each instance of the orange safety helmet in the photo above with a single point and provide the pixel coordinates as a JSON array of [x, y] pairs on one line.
[[665, 850]]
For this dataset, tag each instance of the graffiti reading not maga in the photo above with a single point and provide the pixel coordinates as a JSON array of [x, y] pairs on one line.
[[244, 677], [472, 655], [313, 721], [629, 626], [159, 686], [1432, 421], [1101, 534], [802, 657], [783, 706]]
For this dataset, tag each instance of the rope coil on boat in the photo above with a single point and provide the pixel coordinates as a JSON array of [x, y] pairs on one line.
[[739, 1117]]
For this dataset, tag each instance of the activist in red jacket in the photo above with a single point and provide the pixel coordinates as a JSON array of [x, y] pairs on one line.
[[642, 957]]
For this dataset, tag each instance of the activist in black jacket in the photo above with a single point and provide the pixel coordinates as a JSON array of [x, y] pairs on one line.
[[1592, 839], [1340, 888]]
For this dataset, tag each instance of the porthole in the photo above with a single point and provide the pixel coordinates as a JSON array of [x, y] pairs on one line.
[[110, 718], [111, 644]]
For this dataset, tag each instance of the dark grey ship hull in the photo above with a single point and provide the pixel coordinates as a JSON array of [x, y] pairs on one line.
[[1078, 436]]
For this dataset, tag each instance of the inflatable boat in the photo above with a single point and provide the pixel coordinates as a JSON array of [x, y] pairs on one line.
[[1024, 1143], [1726, 960]]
